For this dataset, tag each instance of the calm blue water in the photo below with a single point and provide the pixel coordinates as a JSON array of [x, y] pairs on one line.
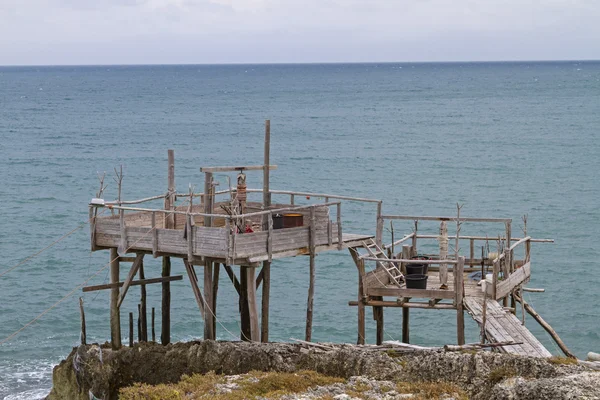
[[505, 139]]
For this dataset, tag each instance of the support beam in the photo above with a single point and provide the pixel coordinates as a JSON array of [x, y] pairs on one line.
[[311, 281], [215, 289], [378, 317], [134, 283], [459, 289], [266, 292], [115, 316], [194, 283], [165, 334], [233, 168], [245, 332], [132, 272], [143, 308], [252, 306], [232, 278], [208, 297]]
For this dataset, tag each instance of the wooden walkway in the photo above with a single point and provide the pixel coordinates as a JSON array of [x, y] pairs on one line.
[[503, 326]]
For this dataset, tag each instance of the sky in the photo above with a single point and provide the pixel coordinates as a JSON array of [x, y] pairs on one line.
[[74, 32]]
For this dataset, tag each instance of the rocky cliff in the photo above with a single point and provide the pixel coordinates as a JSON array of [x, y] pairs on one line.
[[98, 370]]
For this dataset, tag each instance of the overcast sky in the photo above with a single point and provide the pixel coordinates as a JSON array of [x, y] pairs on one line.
[[261, 31]]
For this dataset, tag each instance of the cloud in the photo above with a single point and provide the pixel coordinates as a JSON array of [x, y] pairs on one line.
[[258, 30]]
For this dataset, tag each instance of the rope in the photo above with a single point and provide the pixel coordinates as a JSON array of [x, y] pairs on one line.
[[71, 292], [47, 247]]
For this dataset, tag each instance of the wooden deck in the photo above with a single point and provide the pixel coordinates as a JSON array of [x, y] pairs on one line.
[[502, 326]]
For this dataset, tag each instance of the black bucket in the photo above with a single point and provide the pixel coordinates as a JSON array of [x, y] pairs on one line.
[[277, 221], [416, 269], [416, 281]]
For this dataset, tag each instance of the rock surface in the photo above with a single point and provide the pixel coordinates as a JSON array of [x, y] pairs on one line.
[[483, 375]]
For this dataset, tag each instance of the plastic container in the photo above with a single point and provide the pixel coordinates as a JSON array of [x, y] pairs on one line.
[[416, 281], [277, 221], [416, 269]]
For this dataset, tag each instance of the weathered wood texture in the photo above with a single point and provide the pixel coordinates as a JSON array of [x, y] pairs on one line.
[[115, 316], [503, 326]]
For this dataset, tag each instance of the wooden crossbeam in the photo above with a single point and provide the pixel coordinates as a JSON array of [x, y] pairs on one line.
[[134, 283], [232, 168], [132, 272]]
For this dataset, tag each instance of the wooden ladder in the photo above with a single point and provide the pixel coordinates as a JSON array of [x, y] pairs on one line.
[[390, 267]]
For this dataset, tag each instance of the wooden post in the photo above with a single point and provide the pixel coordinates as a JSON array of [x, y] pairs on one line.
[[414, 240], [252, 306], [266, 289], [266, 189], [406, 252], [115, 316], [458, 287], [143, 311], [472, 252], [165, 334], [83, 333], [443, 253], [378, 317], [208, 197], [153, 331], [361, 301], [215, 289], [139, 324], [311, 281], [130, 329], [208, 306], [339, 224], [245, 332], [379, 232]]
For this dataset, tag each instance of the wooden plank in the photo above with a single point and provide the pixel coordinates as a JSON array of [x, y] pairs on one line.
[[416, 293], [339, 226], [132, 272], [397, 304], [233, 168], [515, 279]]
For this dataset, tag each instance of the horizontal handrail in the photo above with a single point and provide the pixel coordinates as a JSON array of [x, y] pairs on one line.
[[485, 238], [226, 216], [413, 261], [432, 218], [397, 242], [331, 196]]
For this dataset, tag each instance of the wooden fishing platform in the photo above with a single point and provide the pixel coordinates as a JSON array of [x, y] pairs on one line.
[[228, 229]]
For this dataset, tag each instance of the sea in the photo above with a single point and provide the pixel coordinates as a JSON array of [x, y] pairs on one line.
[[504, 139]]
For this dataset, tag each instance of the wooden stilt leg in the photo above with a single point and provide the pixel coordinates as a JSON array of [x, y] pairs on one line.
[[405, 325], [115, 317], [208, 297], [252, 306], [311, 281], [266, 291], [165, 329], [378, 317], [244, 313], [143, 311], [361, 303], [460, 315], [215, 289]]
